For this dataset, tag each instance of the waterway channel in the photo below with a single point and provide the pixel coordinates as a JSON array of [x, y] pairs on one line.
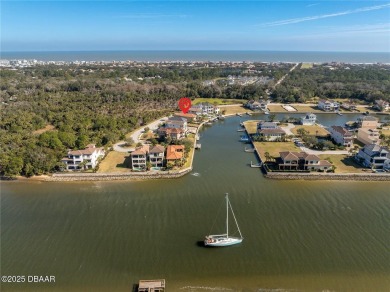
[[105, 236]]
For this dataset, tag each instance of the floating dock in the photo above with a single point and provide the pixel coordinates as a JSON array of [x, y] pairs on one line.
[[198, 146], [151, 285]]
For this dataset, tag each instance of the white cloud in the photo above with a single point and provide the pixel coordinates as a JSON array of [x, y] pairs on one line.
[[310, 18]]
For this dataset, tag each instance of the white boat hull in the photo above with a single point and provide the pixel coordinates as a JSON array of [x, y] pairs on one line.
[[221, 240]]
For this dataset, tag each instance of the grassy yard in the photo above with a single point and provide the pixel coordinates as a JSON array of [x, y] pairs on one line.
[[273, 148], [313, 130], [251, 127], [115, 162], [307, 109], [229, 110], [148, 135], [307, 65], [343, 163], [189, 160], [385, 132], [218, 101], [275, 108]]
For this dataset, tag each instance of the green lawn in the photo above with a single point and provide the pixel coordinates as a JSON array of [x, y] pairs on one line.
[[307, 65], [229, 110], [343, 163], [115, 162], [273, 148], [313, 130], [218, 101]]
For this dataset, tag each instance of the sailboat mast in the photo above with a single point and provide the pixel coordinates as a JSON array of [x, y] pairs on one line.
[[227, 215]]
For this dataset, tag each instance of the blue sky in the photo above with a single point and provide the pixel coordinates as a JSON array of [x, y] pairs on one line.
[[349, 25]]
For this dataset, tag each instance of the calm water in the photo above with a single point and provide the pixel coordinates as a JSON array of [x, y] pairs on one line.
[[105, 236], [152, 56]]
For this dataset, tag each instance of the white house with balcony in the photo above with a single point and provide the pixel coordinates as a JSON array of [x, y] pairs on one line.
[[374, 156], [204, 108], [87, 158], [309, 119]]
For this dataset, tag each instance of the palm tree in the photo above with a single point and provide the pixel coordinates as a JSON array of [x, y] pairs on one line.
[[267, 156]]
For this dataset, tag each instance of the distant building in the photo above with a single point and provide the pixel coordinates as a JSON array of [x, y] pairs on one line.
[[341, 136], [88, 158], [368, 136], [348, 106], [257, 105], [381, 105], [374, 156], [151, 285], [327, 105], [309, 119], [204, 108]]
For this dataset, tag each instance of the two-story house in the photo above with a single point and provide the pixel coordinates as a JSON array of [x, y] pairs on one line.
[[341, 136], [175, 153], [309, 119], [374, 156], [269, 131], [175, 128], [83, 159], [302, 161], [368, 122], [204, 108]]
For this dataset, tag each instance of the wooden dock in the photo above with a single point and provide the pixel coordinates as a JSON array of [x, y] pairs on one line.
[[151, 285], [198, 146]]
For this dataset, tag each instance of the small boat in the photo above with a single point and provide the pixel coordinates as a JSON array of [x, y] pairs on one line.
[[250, 150], [240, 130], [244, 138], [240, 115], [266, 113], [340, 114], [256, 165], [249, 114], [242, 124], [220, 240]]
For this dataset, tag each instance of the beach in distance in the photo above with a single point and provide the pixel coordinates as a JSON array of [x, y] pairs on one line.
[[202, 55]]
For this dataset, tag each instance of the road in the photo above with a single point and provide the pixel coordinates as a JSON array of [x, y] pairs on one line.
[[281, 79], [137, 134]]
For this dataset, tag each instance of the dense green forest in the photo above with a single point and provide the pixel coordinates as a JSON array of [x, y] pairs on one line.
[[82, 104], [365, 83]]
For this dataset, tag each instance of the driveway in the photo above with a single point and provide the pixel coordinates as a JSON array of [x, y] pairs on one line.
[[137, 134], [330, 152], [288, 128]]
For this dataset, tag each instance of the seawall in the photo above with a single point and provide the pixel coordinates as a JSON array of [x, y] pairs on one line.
[[329, 176]]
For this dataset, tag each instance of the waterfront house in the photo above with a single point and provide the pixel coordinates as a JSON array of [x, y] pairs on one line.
[[341, 136], [257, 105], [175, 153], [327, 105], [173, 133], [348, 106], [381, 105], [156, 156], [188, 116], [204, 108], [308, 119], [374, 156], [302, 161], [139, 157], [368, 136], [368, 122], [177, 123], [270, 131], [83, 159]]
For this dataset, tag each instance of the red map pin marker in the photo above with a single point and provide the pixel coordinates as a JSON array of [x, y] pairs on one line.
[[184, 104]]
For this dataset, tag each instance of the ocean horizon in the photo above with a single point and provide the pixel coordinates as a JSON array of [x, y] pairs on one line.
[[200, 55]]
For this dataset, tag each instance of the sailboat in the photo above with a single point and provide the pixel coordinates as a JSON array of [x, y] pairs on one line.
[[224, 239]]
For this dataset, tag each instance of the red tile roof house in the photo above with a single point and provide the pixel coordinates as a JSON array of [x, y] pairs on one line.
[[88, 156], [302, 161], [175, 153], [174, 133], [341, 136], [139, 157]]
